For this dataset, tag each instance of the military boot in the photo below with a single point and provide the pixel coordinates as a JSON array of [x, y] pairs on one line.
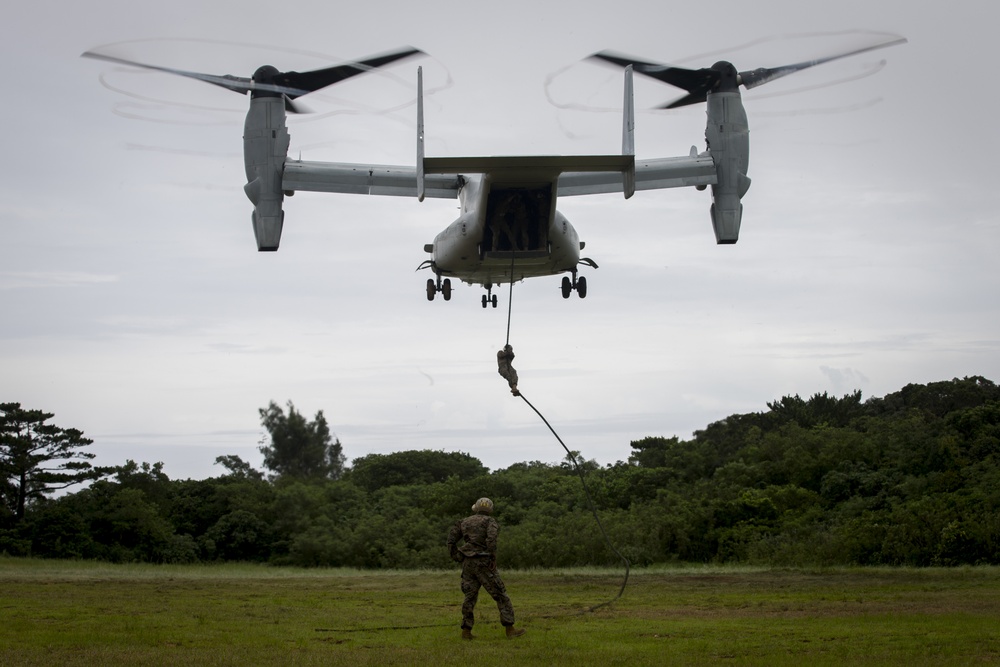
[[514, 632], [466, 633]]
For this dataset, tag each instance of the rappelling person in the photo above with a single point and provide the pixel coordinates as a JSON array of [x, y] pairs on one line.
[[478, 556], [504, 357]]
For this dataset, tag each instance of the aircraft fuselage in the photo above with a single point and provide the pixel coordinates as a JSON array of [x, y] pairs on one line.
[[508, 229]]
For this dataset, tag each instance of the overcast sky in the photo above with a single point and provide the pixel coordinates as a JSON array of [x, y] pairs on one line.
[[134, 306]]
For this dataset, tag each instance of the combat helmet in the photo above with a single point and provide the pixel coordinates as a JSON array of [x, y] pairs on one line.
[[484, 505]]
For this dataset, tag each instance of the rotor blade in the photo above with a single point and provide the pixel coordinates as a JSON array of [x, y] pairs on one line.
[[690, 80], [697, 82], [307, 82], [294, 107], [762, 75], [687, 100], [237, 84]]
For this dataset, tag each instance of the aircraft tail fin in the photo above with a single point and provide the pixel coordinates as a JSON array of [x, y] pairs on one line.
[[628, 134], [420, 133]]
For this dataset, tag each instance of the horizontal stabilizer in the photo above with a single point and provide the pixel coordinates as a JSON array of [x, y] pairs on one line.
[[556, 164]]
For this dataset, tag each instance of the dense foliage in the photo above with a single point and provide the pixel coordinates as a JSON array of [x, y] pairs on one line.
[[911, 478]]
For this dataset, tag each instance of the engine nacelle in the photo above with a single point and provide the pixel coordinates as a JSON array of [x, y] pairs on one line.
[[265, 145], [728, 137]]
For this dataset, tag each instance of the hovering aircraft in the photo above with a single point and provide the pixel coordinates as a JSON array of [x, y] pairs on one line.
[[509, 228]]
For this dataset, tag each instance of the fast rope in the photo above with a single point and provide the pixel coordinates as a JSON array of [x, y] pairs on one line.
[[510, 298], [576, 466]]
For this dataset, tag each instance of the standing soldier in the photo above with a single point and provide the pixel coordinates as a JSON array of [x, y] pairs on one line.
[[504, 358], [478, 557]]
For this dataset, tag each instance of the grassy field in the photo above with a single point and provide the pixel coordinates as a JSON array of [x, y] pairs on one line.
[[66, 613]]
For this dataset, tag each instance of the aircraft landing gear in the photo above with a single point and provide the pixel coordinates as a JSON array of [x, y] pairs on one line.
[[441, 286], [489, 297], [578, 284]]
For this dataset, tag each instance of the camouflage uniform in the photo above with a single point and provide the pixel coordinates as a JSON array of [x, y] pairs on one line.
[[479, 566], [504, 359]]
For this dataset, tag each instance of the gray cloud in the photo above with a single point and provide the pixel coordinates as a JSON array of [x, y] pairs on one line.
[[134, 301]]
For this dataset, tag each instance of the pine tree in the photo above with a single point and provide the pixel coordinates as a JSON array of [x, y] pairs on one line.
[[37, 458]]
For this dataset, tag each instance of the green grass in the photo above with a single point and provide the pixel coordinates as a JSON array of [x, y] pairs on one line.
[[66, 613]]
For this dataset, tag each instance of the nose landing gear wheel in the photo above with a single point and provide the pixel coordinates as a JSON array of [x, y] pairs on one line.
[[581, 287], [567, 287], [431, 289], [446, 289], [489, 297]]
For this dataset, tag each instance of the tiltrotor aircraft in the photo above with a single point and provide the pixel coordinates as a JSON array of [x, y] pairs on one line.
[[509, 228]]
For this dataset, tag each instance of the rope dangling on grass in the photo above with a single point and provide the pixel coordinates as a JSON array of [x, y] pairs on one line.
[[593, 508]]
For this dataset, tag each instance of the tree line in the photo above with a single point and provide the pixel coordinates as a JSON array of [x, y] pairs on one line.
[[912, 478]]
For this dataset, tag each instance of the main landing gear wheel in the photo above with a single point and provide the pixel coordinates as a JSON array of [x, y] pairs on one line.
[[578, 284], [443, 287]]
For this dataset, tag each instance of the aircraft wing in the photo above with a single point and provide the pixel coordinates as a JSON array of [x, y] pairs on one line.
[[654, 174], [363, 179], [442, 175]]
